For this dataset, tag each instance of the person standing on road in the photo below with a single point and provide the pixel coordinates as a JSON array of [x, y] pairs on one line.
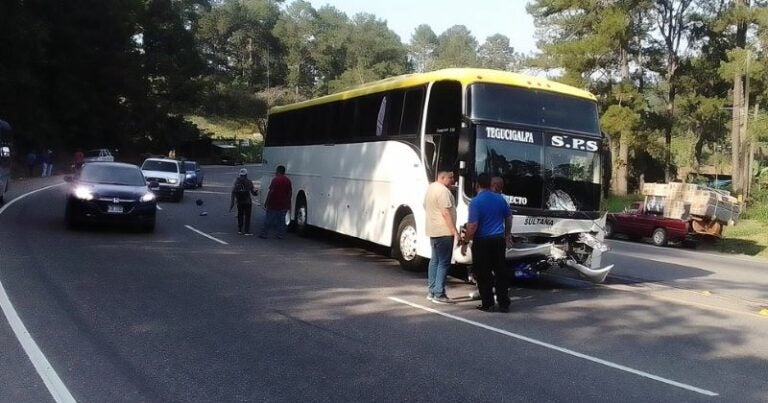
[[46, 159], [488, 227], [440, 208], [242, 190], [278, 203]]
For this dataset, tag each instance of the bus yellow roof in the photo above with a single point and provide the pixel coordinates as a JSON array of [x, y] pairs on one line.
[[463, 75]]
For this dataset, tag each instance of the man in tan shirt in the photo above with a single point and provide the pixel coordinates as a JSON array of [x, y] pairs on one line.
[[440, 208]]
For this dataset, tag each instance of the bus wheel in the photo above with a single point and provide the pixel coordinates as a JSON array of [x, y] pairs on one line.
[[404, 248], [300, 220]]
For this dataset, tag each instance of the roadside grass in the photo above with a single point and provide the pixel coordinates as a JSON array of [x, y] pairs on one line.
[[748, 237]]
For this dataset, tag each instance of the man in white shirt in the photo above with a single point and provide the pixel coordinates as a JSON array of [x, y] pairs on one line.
[[440, 208]]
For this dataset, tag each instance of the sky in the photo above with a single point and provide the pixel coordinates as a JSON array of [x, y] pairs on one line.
[[482, 17]]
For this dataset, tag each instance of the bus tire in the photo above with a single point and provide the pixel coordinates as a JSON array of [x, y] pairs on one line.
[[300, 217], [404, 246]]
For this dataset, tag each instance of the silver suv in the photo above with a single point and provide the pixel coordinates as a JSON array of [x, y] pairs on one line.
[[168, 173]]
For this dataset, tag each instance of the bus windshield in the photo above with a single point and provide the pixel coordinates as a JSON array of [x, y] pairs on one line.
[[541, 170], [515, 105]]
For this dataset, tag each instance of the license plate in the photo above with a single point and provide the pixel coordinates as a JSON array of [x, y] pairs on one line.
[[114, 208]]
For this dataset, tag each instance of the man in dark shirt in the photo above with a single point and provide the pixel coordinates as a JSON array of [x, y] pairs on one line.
[[488, 227], [242, 190], [278, 203]]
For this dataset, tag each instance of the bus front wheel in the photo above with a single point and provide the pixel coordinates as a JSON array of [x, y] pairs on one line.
[[404, 247]]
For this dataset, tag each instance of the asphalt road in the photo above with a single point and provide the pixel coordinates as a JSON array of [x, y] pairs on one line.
[[177, 316]]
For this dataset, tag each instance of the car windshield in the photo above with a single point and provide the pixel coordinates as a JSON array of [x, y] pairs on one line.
[[162, 166], [111, 174], [190, 166]]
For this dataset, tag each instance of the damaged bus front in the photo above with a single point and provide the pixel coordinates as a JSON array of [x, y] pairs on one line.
[[548, 148]]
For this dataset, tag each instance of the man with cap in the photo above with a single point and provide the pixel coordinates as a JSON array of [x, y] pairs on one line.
[[278, 203], [242, 190]]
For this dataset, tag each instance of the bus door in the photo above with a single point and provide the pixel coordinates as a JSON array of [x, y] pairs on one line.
[[441, 135]]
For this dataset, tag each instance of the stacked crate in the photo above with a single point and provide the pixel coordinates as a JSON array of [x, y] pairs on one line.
[[681, 200]]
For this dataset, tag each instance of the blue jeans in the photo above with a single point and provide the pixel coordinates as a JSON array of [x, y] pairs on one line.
[[442, 249], [275, 219]]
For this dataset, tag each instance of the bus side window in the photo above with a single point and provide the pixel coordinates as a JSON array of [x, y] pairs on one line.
[[368, 109], [443, 125], [394, 113], [414, 104], [444, 114]]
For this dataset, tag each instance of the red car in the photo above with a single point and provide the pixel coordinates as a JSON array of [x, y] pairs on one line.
[[635, 222]]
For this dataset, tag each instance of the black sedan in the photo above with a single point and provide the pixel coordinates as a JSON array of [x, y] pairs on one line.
[[110, 193]]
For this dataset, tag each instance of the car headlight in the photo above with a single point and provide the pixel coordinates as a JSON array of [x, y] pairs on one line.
[[83, 193], [173, 181], [189, 176], [148, 197]]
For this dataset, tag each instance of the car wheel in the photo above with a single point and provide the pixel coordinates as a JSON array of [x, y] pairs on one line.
[[180, 196], [608, 229], [404, 247], [300, 218], [659, 237]]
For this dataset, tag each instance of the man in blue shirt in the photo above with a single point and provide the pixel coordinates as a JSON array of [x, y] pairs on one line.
[[488, 227]]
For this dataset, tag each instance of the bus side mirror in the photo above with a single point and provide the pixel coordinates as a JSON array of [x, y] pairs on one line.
[[465, 143]]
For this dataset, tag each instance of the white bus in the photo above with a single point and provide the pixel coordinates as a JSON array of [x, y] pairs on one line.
[[361, 161]]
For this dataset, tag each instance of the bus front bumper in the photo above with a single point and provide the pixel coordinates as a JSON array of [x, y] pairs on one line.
[[554, 255]]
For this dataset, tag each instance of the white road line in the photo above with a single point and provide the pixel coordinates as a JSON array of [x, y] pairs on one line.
[[206, 235], [561, 349], [158, 207], [206, 192], [55, 386]]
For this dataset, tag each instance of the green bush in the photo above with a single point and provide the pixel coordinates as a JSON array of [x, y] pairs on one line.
[[757, 208], [616, 203]]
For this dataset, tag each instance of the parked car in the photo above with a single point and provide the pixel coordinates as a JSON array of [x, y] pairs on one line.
[[100, 154], [111, 193], [635, 222], [194, 175], [168, 174]]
